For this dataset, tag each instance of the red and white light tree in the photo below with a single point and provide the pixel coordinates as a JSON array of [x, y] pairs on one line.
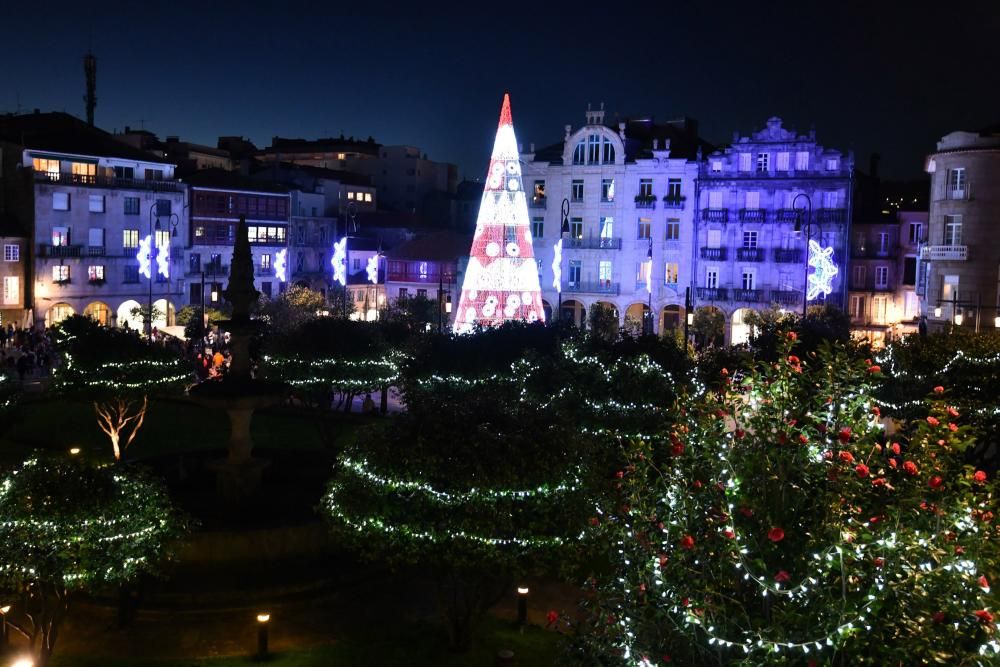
[[501, 282]]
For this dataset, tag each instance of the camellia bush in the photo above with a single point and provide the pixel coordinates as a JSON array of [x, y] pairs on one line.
[[68, 527], [774, 523]]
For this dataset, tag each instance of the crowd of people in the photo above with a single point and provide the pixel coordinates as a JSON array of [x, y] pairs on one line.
[[25, 353]]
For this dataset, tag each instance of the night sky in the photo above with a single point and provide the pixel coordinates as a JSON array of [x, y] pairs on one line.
[[884, 79]]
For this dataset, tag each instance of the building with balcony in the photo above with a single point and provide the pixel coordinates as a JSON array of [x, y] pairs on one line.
[[874, 281], [14, 247], [958, 268], [89, 201], [217, 200], [428, 266], [758, 201], [629, 241]]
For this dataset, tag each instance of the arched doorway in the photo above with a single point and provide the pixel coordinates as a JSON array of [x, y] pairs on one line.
[[57, 313], [99, 312], [604, 320], [741, 329], [709, 326], [637, 319], [163, 312], [547, 307], [130, 316], [573, 311], [671, 318]]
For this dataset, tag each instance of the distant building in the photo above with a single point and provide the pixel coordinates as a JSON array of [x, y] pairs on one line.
[[189, 157], [428, 266], [90, 201], [958, 278], [14, 246], [874, 281]]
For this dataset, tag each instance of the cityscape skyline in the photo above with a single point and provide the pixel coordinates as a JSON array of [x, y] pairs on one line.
[[315, 73]]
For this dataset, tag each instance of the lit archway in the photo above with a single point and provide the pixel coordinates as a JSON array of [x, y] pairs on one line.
[[671, 318], [163, 311], [57, 313], [130, 315], [741, 329], [636, 318], [99, 312], [709, 326]]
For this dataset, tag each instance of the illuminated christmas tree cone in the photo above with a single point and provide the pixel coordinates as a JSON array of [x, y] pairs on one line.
[[501, 281]]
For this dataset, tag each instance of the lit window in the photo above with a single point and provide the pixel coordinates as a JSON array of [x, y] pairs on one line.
[[782, 162], [60, 236], [11, 290], [802, 161], [95, 273], [50, 167], [671, 273], [368, 196], [265, 262], [60, 273], [576, 228], [716, 166], [832, 164], [604, 269], [608, 189], [130, 238], [350, 195]]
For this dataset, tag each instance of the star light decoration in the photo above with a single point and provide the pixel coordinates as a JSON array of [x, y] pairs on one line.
[[281, 264], [339, 261], [145, 256], [557, 266], [163, 258], [821, 279]]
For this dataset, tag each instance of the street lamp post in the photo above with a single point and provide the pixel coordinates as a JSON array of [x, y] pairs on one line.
[[798, 228], [172, 221], [688, 315], [649, 286], [563, 231]]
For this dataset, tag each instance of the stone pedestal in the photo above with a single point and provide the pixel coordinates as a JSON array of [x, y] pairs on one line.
[[235, 482]]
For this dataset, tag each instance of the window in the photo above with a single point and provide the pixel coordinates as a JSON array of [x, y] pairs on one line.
[[162, 237], [857, 308], [956, 183], [127, 173], [60, 201], [50, 167], [11, 290], [574, 272], [712, 278], [579, 153], [859, 276], [883, 243], [832, 164], [422, 292], [643, 228], [608, 189], [881, 276], [609, 151], [604, 272], [879, 304], [60, 273], [645, 188], [350, 195], [715, 199], [265, 262], [831, 199], [949, 288], [130, 239], [265, 288], [607, 227], [594, 148], [916, 229], [539, 190], [716, 166], [96, 204], [752, 200], [952, 230], [745, 159], [537, 227], [781, 163], [194, 262], [909, 270], [671, 273], [83, 172], [763, 162], [60, 236], [95, 238], [576, 228], [577, 190], [11, 252], [749, 239], [368, 196], [403, 292], [802, 161], [674, 189], [163, 207], [673, 229], [715, 238], [95, 273], [154, 174], [356, 264], [131, 206], [749, 279]]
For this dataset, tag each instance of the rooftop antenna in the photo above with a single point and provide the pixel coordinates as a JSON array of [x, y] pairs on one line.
[[90, 70]]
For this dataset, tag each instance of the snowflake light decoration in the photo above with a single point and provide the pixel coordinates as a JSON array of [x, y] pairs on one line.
[[163, 258], [280, 264], [145, 256], [557, 266], [339, 261], [821, 279], [372, 269]]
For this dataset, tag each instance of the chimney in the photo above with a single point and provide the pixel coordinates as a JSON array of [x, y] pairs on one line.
[[873, 164], [90, 71]]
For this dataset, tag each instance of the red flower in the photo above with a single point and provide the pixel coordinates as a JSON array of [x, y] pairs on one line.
[[952, 411], [782, 576], [984, 616], [939, 389], [932, 421], [895, 448], [803, 439], [893, 463], [953, 427], [619, 474], [697, 484], [876, 411], [959, 550], [845, 434], [879, 481], [861, 469], [845, 456], [739, 433], [791, 335], [874, 369], [828, 455], [934, 482], [879, 562], [594, 521], [687, 542], [911, 468], [729, 534], [938, 617], [984, 583], [677, 449], [551, 618], [685, 602], [979, 477], [776, 534], [746, 511], [725, 371]]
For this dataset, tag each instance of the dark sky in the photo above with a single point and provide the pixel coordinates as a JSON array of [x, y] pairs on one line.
[[886, 78]]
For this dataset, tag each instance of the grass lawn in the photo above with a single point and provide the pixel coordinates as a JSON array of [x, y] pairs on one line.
[[414, 645]]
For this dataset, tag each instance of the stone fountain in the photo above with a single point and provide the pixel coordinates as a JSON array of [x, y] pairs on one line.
[[238, 393]]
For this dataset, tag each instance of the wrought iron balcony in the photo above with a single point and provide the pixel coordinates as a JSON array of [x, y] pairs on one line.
[[831, 215], [753, 215], [592, 287], [96, 251], [46, 250], [645, 202], [786, 214], [958, 253], [593, 243], [787, 255], [715, 215], [674, 202], [785, 297], [750, 254], [713, 293], [713, 253], [748, 295], [538, 202], [265, 271]]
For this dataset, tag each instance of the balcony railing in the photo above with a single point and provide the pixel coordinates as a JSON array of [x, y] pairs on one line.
[[538, 202], [593, 243], [208, 270], [869, 252], [786, 214], [46, 250], [785, 297], [787, 255], [958, 253], [753, 215], [106, 182], [673, 202], [642, 202], [265, 271], [713, 253], [750, 254], [748, 295], [96, 251], [715, 215], [831, 215], [712, 293], [592, 287]]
